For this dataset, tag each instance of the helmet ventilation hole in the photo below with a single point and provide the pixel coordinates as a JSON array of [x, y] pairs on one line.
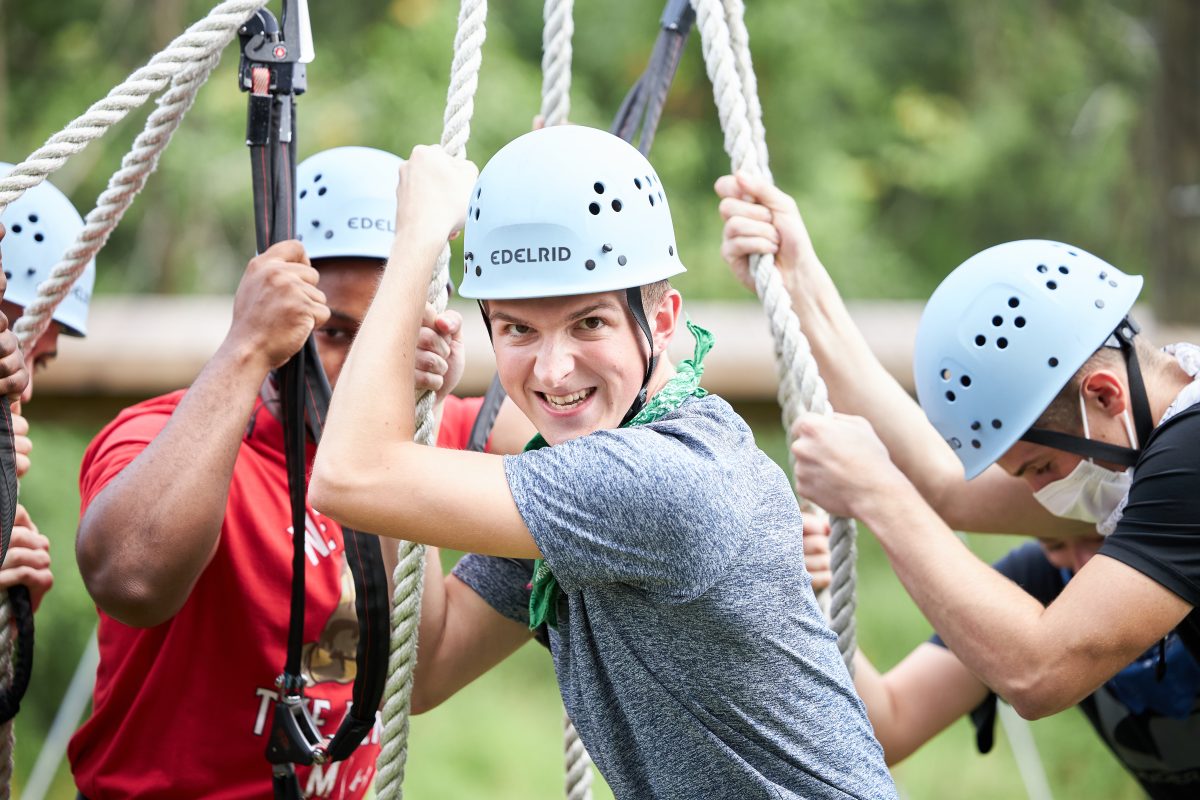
[[594, 208], [1063, 270], [37, 237], [1043, 268], [649, 181], [660, 198], [997, 320], [1019, 322], [317, 177], [1013, 302], [946, 374], [616, 204], [303, 193], [33, 218], [980, 340], [997, 424], [670, 249], [316, 223], [477, 214], [16, 228], [478, 270], [1099, 304], [1001, 343], [30, 272], [965, 380], [651, 199], [976, 444], [329, 234], [599, 187], [321, 192], [637, 182], [955, 443], [951, 396], [1112, 283], [1053, 361], [1051, 285], [622, 260], [976, 425], [590, 264]]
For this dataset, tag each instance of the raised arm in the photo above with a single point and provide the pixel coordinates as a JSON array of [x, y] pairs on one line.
[[760, 218], [369, 473], [148, 535]]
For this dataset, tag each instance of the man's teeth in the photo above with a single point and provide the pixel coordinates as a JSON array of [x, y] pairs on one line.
[[563, 400]]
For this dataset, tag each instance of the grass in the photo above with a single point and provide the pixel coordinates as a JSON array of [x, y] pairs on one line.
[[501, 737]]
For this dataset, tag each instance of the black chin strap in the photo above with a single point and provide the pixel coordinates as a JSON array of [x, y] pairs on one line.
[[1143, 421], [633, 296]]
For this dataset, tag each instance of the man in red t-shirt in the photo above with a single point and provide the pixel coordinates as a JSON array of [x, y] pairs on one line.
[[185, 540]]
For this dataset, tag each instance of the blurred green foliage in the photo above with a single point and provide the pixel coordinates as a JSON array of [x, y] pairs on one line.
[[913, 132]]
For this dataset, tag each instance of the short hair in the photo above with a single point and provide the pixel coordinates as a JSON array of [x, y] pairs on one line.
[[653, 293], [1063, 412]]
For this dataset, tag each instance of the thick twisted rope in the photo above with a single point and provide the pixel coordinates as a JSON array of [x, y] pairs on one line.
[[206, 37], [556, 108], [579, 763], [6, 675], [556, 61], [185, 63], [801, 390], [123, 187], [410, 569]]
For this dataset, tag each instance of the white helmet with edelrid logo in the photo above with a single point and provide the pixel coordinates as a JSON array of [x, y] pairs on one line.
[[346, 203], [42, 224], [566, 210]]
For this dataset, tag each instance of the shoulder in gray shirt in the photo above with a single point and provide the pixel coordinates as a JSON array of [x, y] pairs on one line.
[[690, 653]]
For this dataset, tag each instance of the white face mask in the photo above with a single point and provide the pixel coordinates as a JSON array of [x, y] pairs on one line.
[[1090, 493]]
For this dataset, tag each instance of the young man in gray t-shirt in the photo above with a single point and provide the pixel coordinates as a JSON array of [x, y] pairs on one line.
[[689, 649]]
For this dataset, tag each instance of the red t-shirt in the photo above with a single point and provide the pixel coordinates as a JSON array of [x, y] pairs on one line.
[[183, 709]]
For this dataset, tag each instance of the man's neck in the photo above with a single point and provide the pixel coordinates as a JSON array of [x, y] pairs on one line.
[[1163, 385]]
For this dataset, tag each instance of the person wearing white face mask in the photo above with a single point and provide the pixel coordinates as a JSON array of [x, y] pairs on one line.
[[1025, 357]]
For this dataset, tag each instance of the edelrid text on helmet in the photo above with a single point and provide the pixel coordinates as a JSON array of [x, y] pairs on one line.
[[42, 224], [1004, 332], [346, 203], [566, 210]]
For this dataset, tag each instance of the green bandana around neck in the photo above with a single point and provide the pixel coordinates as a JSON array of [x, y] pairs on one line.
[[543, 600]]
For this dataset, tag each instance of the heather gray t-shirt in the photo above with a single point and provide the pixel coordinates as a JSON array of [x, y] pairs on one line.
[[690, 652]]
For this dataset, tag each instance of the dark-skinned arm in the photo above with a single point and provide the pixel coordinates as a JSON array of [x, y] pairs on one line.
[[149, 534]]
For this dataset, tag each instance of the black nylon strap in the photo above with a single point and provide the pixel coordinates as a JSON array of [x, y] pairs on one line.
[[22, 612], [1088, 448], [8, 479], [633, 298], [481, 430], [1143, 420]]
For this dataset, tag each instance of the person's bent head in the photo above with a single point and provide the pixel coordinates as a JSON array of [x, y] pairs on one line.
[[41, 225], [569, 248], [345, 217], [1026, 357]]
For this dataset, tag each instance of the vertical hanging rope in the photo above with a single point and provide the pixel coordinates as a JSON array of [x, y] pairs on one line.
[[556, 108], [801, 390], [409, 573], [579, 763], [556, 61]]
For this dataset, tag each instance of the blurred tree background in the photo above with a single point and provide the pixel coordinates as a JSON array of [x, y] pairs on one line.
[[912, 132]]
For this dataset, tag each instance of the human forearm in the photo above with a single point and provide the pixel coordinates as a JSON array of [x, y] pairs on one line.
[[148, 535]]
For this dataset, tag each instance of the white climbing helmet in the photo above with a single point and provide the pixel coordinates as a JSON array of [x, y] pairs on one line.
[[42, 224], [566, 210], [1002, 335], [346, 202]]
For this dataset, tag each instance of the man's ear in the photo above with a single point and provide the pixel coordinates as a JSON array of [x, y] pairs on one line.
[[1103, 389], [664, 318]]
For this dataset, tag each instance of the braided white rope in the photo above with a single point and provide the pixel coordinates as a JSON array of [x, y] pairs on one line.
[[556, 108], [410, 569], [123, 187], [579, 763], [186, 64], [206, 37], [7, 623], [556, 61], [801, 389]]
